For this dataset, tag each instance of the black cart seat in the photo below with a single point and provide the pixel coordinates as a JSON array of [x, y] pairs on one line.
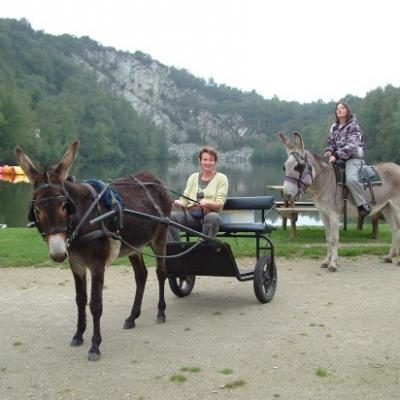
[[238, 214]]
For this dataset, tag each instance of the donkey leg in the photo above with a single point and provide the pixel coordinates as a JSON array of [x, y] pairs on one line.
[[96, 308], [159, 247], [140, 271], [389, 213], [334, 241], [327, 227], [81, 301], [161, 276]]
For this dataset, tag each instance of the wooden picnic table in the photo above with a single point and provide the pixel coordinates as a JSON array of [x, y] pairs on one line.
[[292, 213]]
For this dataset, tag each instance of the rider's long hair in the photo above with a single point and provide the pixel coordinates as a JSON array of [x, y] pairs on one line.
[[347, 107]]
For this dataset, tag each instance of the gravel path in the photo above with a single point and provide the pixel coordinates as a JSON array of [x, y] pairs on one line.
[[345, 325]]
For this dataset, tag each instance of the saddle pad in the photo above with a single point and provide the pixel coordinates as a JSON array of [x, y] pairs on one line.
[[107, 197], [368, 174]]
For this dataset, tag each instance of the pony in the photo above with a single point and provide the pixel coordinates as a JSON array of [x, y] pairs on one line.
[[304, 170], [62, 210]]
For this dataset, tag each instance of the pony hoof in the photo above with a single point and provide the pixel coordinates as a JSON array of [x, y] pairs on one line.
[[388, 260], [94, 356], [129, 324], [76, 342], [324, 265], [332, 269]]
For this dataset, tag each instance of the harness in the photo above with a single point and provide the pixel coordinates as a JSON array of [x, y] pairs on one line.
[[73, 237], [78, 241], [72, 233]]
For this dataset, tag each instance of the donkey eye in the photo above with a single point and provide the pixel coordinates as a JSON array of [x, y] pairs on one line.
[[65, 207], [37, 211], [284, 168]]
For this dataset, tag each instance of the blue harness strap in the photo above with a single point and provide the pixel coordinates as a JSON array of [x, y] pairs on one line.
[[108, 195]]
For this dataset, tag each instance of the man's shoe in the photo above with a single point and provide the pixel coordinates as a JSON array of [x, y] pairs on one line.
[[363, 210]]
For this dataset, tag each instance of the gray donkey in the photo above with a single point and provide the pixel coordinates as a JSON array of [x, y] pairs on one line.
[[305, 170]]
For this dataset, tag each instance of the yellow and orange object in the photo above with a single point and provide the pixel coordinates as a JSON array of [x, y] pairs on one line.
[[12, 173]]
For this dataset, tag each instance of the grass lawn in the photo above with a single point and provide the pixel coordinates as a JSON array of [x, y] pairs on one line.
[[22, 247]]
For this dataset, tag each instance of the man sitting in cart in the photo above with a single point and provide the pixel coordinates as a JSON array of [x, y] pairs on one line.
[[204, 196]]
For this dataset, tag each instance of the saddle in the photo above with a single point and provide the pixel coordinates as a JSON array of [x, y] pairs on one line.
[[368, 176]]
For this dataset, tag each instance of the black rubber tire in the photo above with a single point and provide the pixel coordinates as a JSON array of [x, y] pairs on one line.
[[265, 279], [182, 286]]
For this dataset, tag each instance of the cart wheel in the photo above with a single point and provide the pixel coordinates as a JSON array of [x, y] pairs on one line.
[[182, 286], [265, 279]]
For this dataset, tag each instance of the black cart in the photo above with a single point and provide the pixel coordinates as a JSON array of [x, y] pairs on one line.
[[215, 258]]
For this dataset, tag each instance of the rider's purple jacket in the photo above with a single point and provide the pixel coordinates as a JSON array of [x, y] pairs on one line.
[[346, 141]]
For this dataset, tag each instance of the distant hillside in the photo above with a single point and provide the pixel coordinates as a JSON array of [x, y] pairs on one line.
[[131, 107]]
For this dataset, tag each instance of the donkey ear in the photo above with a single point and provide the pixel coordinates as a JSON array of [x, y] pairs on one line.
[[298, 140], [63, 167], [285, 140], [26, 164]]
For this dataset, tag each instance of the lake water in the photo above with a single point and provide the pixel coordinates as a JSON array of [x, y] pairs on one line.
[[244, 180]]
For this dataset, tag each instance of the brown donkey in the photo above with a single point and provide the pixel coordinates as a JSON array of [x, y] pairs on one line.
[[62, 210], [305, 170]]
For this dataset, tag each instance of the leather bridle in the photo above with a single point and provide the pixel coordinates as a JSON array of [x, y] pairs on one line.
[[304, 168], [63, 196]]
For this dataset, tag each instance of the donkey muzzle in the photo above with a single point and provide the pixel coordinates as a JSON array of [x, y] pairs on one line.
[[57, 247]]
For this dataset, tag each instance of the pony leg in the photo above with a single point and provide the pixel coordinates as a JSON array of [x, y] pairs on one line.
[[159, 247], [140, 271], [81, 301], [334, 241], [327, 227], [389, 213], [96, 308]]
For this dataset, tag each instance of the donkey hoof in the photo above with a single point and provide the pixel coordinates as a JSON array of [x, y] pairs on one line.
[[76, 342], [161, 319], [332, 269], [324, 265], [94, 356], [129, 324], [388, 259], [398, 263]]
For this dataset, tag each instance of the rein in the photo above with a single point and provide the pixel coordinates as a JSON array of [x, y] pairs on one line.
[[326, 185], [73, 239], [163, 219]]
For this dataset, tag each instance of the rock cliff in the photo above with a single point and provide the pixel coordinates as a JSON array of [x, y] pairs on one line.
[[187, 116]]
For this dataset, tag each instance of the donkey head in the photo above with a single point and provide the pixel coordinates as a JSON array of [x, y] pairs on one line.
[[297, 167], [51, 207]]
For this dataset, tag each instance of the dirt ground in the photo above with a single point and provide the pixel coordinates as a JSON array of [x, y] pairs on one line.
[[345, 325]]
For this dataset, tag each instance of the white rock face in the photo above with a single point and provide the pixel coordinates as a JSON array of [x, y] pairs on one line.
[[147, 85]]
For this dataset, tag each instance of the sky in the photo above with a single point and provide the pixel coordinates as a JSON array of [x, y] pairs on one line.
[[302, 50]]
